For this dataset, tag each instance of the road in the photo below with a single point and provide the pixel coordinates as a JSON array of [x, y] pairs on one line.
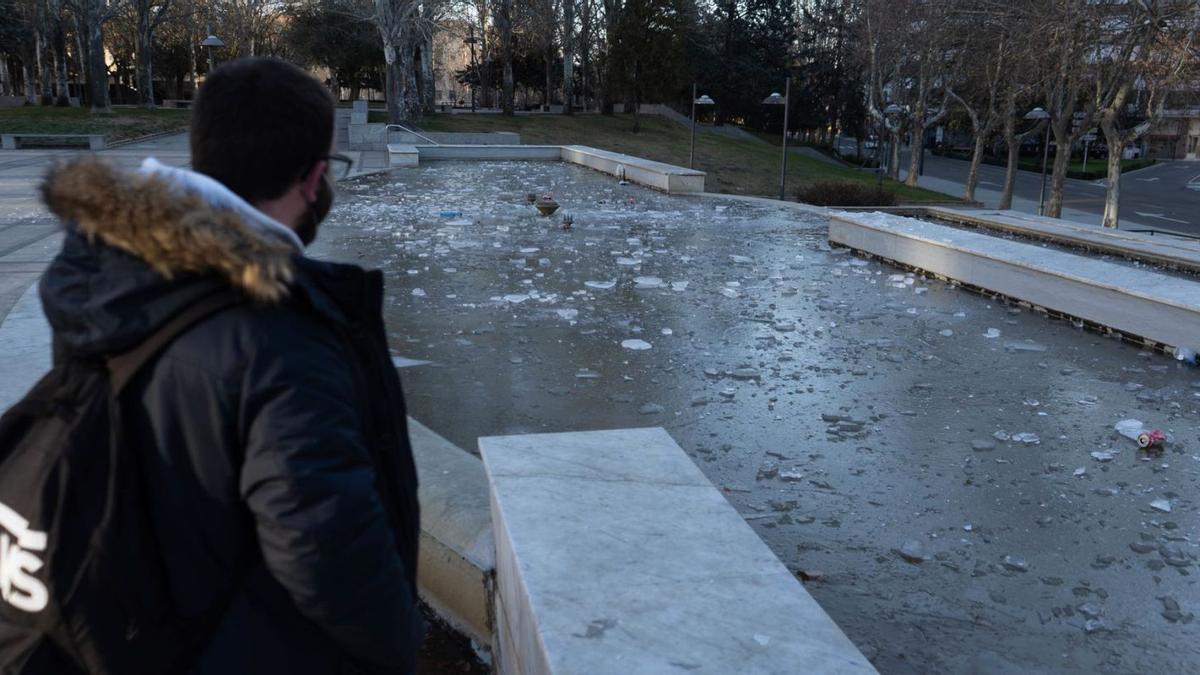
[[1163, 197]]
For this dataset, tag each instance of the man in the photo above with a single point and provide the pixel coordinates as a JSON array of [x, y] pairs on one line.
[[271, 435]]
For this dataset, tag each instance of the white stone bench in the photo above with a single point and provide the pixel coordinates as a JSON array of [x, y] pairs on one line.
[[13, 141], [614, 554], [1143, 303]]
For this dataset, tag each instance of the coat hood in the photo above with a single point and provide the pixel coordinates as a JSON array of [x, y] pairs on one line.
[[141, 246]]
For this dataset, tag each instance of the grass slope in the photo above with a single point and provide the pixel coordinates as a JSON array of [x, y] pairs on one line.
[[122, 124], [734, 165]]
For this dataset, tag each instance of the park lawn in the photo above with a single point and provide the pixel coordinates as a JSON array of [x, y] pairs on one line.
[[122, 124], [742, 166]]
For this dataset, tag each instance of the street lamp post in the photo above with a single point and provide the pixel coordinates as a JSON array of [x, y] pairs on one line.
[[703, 100], [210, 42], [471, 40], [785, 101], [1039, 114]]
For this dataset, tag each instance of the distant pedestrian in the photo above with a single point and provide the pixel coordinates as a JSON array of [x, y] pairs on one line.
[[267, 440]]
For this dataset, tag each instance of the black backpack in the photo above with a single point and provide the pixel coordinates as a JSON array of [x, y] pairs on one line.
[[82, 582]]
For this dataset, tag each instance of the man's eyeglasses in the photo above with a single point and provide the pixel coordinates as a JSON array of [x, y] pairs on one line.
[[339, 165]]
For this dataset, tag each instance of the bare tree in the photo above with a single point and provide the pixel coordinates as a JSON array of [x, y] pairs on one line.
[[984, 47], [1146, 49], [885, 48], [150, 15]]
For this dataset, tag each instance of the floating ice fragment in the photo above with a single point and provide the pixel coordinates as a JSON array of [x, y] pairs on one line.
[[628, 262], [729, 292], [1080, 471], [992, 333], [761, 639], [1163, 505], [636, 345], [1028, 438], [667, 331], [1024, 347], [515, 299], [679, 285], [405, 362], [1102, 456], [741, 259], [567, 314], [585, 374], [530, 250], [418, 292], [946, 332], [1130, 428], [600, 285], [648, 282], [784, 326]]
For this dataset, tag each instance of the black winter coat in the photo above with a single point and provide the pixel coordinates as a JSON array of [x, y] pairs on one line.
[[272, 434]]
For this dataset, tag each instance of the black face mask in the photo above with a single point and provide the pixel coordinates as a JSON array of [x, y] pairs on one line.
[[318, 209]]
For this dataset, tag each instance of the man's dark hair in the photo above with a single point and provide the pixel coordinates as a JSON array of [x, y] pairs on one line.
[[258, 125]]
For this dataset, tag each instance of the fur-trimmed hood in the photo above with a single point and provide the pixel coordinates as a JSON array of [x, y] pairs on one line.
[[141, 246], [175, 231]]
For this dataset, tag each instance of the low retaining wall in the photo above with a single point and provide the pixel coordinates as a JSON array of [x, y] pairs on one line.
[[1156, 307], [666, 177], [375, 135], [614, 554]]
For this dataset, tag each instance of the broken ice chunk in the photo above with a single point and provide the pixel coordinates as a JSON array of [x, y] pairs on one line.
[[636, 345]]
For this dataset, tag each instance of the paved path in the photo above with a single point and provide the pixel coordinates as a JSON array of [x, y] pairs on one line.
[[1163, 196], [29, 236]]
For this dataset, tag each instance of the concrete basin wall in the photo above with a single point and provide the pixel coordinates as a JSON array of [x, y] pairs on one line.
[[1156, 307]]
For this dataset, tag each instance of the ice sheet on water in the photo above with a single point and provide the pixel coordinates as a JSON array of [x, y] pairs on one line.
[[628, 262], [567, 314], [636, 345], [600, 285], [992, 333], [515, 298], [646, 283], [679, 286]]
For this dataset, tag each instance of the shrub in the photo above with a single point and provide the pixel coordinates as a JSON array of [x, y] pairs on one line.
[[845, 193]]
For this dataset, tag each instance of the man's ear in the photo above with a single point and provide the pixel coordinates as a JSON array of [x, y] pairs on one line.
[[311, 180]]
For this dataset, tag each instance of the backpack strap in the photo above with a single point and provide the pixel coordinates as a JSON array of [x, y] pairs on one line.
[[123, 367]]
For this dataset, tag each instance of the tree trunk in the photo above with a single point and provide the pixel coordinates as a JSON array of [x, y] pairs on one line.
[[391, 84], [27, 77], [568, 48], [428, 94], [145, 52], [97, 70], [43, 68], [548, 58], [894, 160], [973, 172], [914, 155], [503, 21], [1062, 158], [1112, 198], [410, 96]]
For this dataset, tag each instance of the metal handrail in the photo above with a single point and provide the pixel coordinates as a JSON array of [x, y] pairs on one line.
[[1171, 233], [401, 127]]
